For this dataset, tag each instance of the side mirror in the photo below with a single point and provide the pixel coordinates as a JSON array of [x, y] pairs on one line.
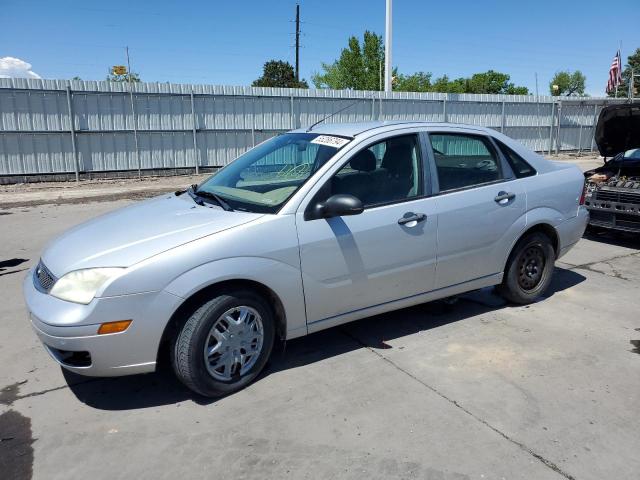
[[338, 205]]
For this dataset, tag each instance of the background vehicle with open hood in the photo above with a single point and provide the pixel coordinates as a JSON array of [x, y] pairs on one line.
[[613, 190]]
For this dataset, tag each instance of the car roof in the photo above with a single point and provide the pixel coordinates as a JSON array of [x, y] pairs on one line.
[[355, 129]]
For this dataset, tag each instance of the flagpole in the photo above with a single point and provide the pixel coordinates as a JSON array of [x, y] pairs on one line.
[[619, 66]]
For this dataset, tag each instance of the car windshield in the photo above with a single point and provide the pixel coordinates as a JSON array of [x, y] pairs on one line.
[[633, 154], [265, 177]]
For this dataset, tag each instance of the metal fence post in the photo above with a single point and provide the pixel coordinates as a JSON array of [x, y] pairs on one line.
[[593, 129], [135, 131], [293, 122], [444, 110], [196, 152], [502, 121], [373, 107], [580, 138], [253, 135], [72, 129], [558, 140], [551, 124]]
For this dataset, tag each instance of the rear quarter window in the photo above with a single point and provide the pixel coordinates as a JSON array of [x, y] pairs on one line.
[[518, 164]]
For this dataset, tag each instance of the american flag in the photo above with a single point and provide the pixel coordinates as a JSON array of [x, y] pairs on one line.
[[615, 73]]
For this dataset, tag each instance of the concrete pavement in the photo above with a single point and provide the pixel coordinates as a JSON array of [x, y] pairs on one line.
[[477, 389]]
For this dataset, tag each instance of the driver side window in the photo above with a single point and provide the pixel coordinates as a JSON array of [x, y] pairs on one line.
[[385, 172]]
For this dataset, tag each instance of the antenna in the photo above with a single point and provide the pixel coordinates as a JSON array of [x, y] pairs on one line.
[[335, 113]]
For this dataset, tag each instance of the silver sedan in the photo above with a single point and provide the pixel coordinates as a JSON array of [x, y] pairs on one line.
[[308, 230]]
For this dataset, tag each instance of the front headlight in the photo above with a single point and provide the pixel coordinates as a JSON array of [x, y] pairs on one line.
[[81, 286]]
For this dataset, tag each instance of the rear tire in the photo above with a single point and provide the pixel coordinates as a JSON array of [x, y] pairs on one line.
[[529, 269], [224, 344]]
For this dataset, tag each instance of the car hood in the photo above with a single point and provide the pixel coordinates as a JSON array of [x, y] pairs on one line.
[[618, 129], [132, 234]]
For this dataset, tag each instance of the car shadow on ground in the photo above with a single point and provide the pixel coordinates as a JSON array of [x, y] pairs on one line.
[[612, 237], [162, 388]]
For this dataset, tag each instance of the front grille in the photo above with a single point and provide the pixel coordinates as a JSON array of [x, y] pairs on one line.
[[629, 197], [606, 196], [43, 279], [622, 197]]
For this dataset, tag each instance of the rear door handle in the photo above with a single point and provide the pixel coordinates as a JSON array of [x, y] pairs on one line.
[[411, 217], [504, 197]]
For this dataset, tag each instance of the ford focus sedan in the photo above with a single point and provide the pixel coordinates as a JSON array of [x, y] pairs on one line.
[[308, 230]]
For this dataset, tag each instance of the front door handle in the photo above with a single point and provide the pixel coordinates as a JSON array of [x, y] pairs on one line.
[[411, 217], [504, 197]]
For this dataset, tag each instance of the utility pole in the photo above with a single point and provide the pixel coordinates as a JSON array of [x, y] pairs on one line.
[[133, 115], [387, 49], [297, 42], [128, 67]]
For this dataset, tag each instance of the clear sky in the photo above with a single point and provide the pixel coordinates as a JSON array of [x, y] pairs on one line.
[[226, 42]]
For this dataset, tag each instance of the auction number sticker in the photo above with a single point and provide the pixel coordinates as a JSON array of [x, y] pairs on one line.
[[330, 141]]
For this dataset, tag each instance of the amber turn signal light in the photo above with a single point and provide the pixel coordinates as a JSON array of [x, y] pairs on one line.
[[114, 327]]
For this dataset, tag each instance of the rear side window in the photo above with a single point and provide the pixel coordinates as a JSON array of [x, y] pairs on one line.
[[464, 161], [518, 164]]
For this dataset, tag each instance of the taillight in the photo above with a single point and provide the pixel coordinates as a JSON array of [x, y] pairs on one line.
[[583, 194]]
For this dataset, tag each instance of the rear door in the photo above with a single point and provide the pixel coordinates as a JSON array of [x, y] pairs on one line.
[[386, 253], [481, 206]]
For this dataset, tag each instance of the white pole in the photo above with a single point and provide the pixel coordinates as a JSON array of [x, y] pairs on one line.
[[387, 50]]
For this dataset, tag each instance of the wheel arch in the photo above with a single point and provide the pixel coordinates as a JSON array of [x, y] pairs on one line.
[[542, 227], [191, 303]]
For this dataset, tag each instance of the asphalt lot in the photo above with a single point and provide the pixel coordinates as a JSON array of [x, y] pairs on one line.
[[474, 389]]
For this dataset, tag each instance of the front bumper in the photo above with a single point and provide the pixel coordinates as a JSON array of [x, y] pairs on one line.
[[69, 330], [625, 222], [614, 209]]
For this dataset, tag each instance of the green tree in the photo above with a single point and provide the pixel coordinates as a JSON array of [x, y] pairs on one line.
[[493, 82], [515, 90], [416, 82], [277, 73], [444, 85], [360, 67], [633, 64], [135, 78], [569, 84]]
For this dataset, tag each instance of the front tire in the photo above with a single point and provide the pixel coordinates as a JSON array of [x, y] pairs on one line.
[[224, 344], [529, 269]]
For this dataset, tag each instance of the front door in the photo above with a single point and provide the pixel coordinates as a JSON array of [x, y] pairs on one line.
[[386, 253]]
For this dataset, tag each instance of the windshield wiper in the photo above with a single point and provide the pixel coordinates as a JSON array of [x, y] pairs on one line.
[[211, 195]]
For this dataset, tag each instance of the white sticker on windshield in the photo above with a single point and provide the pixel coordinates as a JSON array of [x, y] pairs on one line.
[[330, 141]]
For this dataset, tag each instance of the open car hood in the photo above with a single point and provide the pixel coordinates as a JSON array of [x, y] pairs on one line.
[[618, 129]]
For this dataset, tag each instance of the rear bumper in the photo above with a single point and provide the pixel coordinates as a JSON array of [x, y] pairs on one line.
[[68, 331], [570, 231]]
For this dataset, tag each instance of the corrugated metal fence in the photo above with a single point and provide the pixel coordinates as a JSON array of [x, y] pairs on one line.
[[61, 126]]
